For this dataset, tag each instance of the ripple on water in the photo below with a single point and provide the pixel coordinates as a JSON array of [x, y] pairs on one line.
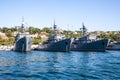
[[39, 65]]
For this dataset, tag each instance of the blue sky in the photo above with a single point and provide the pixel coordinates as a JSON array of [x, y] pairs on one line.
[[69, 14]]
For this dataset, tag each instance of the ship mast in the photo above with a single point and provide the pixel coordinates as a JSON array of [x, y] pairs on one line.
[[84, 30], [22, 25], [55, 28]]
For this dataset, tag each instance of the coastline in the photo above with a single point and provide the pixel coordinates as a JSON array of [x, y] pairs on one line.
[[11, 47]]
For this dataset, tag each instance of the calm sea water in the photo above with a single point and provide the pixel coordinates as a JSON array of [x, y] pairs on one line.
[[38, 65]]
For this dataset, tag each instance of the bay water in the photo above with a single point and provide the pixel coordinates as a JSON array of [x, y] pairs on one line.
[[42, 65]]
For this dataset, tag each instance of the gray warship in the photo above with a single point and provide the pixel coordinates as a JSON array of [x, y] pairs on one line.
[[57, 42], [23, 41], [86, 44], [114, 46]]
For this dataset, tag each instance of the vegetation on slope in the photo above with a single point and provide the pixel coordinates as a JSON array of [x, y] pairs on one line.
[[112, 35]]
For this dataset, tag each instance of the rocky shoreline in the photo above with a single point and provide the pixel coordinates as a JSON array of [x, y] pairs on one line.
[[11, 47]]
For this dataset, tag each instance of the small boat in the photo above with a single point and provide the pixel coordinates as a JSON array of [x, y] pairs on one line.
[[57, 42], [23, 41], [114, 46], [85, 43]]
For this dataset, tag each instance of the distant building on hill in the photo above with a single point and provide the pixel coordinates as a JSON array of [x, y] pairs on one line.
[[44, 35], [15, 33], [34, 35]]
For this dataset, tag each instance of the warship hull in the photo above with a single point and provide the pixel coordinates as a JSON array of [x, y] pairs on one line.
[[59, 46], [99, 45], [114, 46], [23, 45]]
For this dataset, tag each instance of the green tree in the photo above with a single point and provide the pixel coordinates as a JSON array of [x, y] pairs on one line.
[[9, 33], [33, 30], [5, 29], [47, 30]]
